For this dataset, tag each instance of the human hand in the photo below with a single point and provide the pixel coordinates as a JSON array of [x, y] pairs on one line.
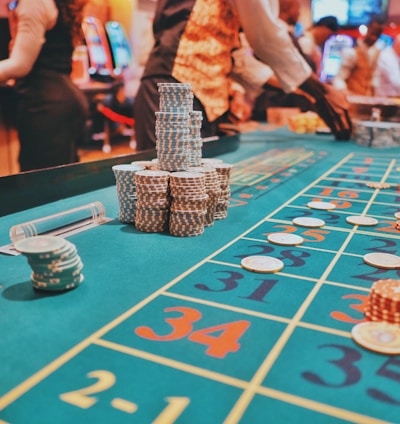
[[333, 108], [239, 108], [331, 105]]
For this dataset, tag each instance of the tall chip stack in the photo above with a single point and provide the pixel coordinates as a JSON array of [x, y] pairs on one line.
[[173, 126], [179, 191]]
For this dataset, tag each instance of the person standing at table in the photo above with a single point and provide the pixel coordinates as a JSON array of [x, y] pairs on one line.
[[387, 74], [355, 75], [261, 86], [313, 40], [51, 110], [194, 40]]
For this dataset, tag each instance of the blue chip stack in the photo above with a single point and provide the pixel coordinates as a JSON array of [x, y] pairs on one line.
[[126, 191], [55, 263]]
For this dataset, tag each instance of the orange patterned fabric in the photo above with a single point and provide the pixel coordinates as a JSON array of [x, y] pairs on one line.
[[204, 54]]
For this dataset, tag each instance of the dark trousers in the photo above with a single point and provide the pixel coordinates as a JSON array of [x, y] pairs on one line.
[[51, 120]]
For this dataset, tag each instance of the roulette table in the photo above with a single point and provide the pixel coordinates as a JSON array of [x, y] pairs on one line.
[[171, 329]]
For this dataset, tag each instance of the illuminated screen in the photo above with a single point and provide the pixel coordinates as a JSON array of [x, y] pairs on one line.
[[338, 8], [119, 45], [96, 49], [349, 13], [332, 59]]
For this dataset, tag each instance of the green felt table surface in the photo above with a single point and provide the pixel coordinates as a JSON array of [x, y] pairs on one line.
[[172, 329]]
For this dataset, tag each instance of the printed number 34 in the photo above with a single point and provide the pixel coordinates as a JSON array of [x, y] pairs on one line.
[[226, 340]]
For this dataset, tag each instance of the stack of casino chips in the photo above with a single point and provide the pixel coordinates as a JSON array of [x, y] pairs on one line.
[[213, 191], [196, 142], [55, 263], [126, 191], [384, 301], [188, 204], [173, 134], [152, 206], [378, 134], [224, 172]]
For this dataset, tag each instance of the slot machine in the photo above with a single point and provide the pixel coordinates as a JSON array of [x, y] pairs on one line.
[[119, 45], [100, 57], [331, 57]]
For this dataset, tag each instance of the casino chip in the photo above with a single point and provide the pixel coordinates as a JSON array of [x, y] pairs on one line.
[[384, 301], [321, 205], [285, 239], [262, 264], [308, 222], [41, 246], [55, 262], [382, 260], [377, 184], [380, 337], [361, 220]]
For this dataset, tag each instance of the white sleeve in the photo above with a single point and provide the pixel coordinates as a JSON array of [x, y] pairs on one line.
[[33, 20], [248, 71], [270, 40], [387, 73]]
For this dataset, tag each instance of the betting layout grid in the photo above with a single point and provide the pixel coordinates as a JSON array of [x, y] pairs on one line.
[[352, 197], [359, 198], [326, 299], [356, 186]]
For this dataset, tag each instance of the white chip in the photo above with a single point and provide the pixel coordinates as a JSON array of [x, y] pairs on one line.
[[321, 205], [308, 222], [380, 337], [262, 264], [382, 260], [285, 239], [361, 220], [377, 184], [397, 215]]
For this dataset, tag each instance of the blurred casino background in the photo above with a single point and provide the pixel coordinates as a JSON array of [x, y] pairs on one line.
[[118, 36]]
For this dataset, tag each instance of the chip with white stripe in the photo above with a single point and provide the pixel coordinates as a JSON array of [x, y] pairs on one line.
[[285, 239], [321, 205], [262, 264]]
